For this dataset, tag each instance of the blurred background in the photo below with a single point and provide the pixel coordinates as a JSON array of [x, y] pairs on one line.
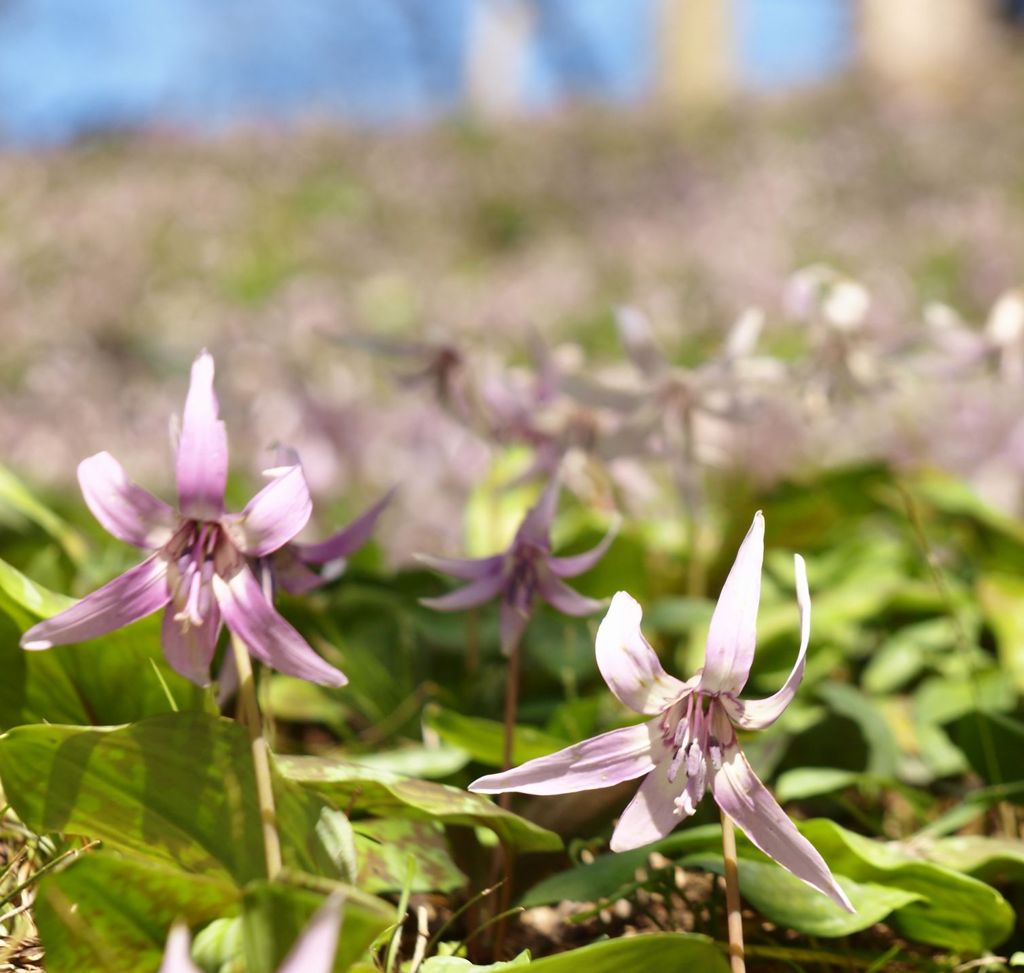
[[310, 189]]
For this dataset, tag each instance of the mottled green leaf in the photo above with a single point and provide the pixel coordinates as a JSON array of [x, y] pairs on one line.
[[787, 901], [177, 788], [385, 848], [378, 793], [106, 912]]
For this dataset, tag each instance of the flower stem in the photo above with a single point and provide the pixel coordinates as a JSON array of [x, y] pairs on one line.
[[249, 713], [732, 896], [511, 711]]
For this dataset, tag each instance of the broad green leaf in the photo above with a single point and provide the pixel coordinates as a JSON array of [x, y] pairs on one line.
[[177, 789], [116, 679], [803, 782], [416, 760], [992, 860], [785, 900], [274, 915], [377, 793], [654, 951], [385, 848], [106, 912], [484, 740], [955, 911]]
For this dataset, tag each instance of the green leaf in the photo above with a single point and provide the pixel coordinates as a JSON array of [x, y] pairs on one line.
[[415, 760], [1002, 600], [456, 964], [385, 848], [955, 911], [993, 860], [105, 912], [803, 782], [378, 793], [275, 914], [484, 740], [655, 951], [177, 789], [15, 496], [785, 900], [850, 702], [119, 678]]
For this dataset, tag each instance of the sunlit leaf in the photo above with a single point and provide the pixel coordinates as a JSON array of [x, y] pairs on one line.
[[377, 793]]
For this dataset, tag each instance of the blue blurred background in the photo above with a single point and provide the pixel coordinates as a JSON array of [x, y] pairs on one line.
[[73, 67]]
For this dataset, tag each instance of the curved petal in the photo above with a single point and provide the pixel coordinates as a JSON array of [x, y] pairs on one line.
[[314, 951], [464, 568], [733, 630], [598, 762], [628, 663], [178, 953], [740, 794], [190, 648], [348, 540], [291, 574], [272, 517], [756, 714], [202, 466], [468, 596], [573, 564], [268, 636], [536, 526], [559, 595], [131, 514], [138, 592], [652, 813]]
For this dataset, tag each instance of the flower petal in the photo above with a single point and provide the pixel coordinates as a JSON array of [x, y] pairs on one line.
[[272, 517], [733, 630], [178, 953], [559, 595], [138, 592], [756, 714], [131, 514], [465, 568], [348, 540], [468, 596], [189, 649], [202, 466], [268, 636], [751, 806], [598, 762], [291, 574], [653, 812], [629, 665], [573, 564], [314, 950], [536, 526]]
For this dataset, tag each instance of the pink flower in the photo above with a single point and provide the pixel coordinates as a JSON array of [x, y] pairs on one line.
[[690, 745], [198, 571], [521, 574]]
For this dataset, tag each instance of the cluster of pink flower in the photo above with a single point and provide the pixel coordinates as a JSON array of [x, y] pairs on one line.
[[209, 568]]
